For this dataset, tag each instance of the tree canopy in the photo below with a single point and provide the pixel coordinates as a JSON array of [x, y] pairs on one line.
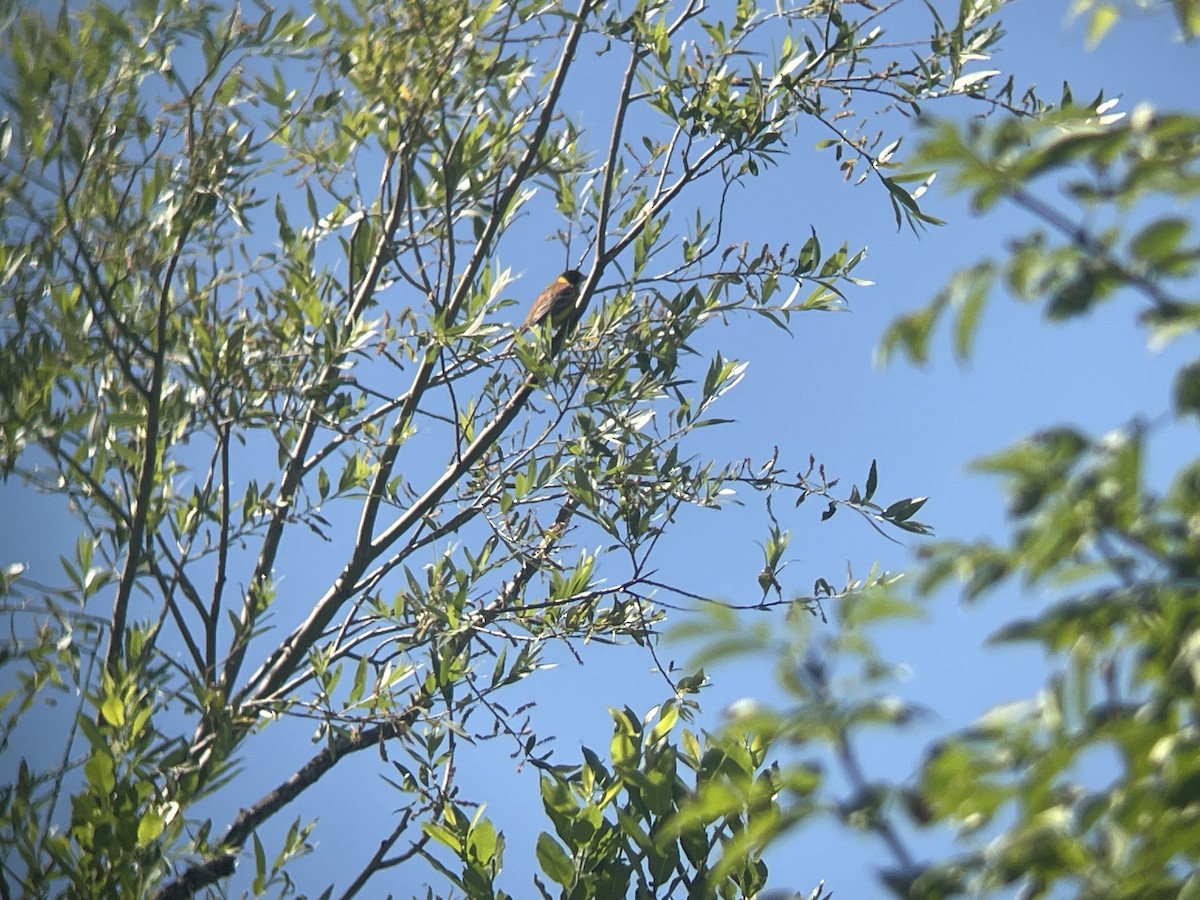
[[259, 272]]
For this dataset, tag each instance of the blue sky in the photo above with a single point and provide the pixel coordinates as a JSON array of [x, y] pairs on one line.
[[820, 392]]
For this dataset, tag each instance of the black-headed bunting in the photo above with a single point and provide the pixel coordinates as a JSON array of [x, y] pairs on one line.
[[557, 302]]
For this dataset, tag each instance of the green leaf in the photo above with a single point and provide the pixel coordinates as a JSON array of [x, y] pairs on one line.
[[554, 860], [360, 682], [625, 747], [113, 711], [482, 842], [442, 835], [100, 772], [1186, 392], [260, 865], [1074, 298], [968, 309], [911, 333], [1103, 19], [1187, 12], [149, 828], [903, 509], [667, 719], [1160, 240], [872, 482], [287, 234]]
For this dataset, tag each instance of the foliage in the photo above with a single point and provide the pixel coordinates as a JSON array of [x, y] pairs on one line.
[[1104, 14], [1120, 558], [618, 828], [1113, 548], [255, 270]]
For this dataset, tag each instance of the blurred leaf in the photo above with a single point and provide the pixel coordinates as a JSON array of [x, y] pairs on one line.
[[1187, 390]]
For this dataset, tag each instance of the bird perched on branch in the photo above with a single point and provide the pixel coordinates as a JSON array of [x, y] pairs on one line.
[[558, 302]]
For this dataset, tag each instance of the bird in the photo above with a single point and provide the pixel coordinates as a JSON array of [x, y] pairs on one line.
[[557, 302]]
